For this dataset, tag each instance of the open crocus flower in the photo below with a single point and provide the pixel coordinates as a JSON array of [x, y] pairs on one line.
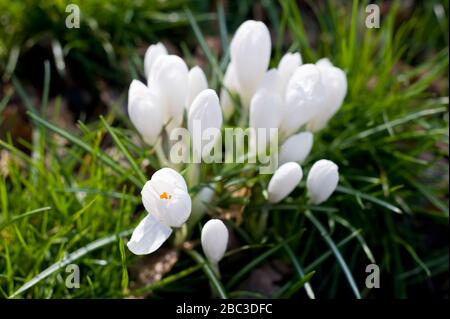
[[284, 181], [166, 199], [214, 240], [322, 181], [250, 54], [144, 109]]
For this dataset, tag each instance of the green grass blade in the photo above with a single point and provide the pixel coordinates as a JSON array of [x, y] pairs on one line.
[[209, 272], [336, 252], [127, 154], [70, 259], [370, 198], [86, 147]]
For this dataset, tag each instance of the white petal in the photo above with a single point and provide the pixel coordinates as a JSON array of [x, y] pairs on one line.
[[287, 66], [144, 109], [169, 78], [178, 209], [284, 181], [196, 83], [204, 111], [296, 148], [250, 51], [265, 110], [271, 81], [152, 53], [230, 85], [214, 240], [335, 82], [305, 94], [324, 62], [148, 236], [322, 181]]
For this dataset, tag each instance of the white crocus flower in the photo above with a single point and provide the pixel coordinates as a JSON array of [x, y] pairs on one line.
[[265, 109], [250, 54], [322, 181], [144, 109], [304, 97], [169, 78], [196, 83], [296, 148], [230, 86], [214, 240], [284, 181], [152, 53], [205, 111], [167, 201], [287, 66], [335, 82]]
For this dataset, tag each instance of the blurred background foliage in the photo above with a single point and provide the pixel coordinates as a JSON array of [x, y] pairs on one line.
[[390, 140]]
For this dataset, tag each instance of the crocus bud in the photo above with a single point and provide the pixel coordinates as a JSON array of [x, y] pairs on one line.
[[152, 53], [322, 181], [200, 204], [167, 201], [169, 78], [265, 109], [304, 98], [206, 112], [335, 82], [230, 86], [144, 109], [250, 53], [214, 240], [196, 83], [284, 181], [287, 66], [296, 148]]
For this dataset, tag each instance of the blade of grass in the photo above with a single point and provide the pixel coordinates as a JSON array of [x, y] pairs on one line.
[[370, 198], [70, 259], [335, 251], [86, 147], [209, 272], [298, 268], [127, 154], [21, 216]]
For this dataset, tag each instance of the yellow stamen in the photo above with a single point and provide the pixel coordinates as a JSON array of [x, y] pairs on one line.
[[165, 196]]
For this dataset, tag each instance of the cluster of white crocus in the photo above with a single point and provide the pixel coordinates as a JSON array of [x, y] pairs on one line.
[[322, 180], [171, 89], [290, 97], [168, 204], [297, 99]]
